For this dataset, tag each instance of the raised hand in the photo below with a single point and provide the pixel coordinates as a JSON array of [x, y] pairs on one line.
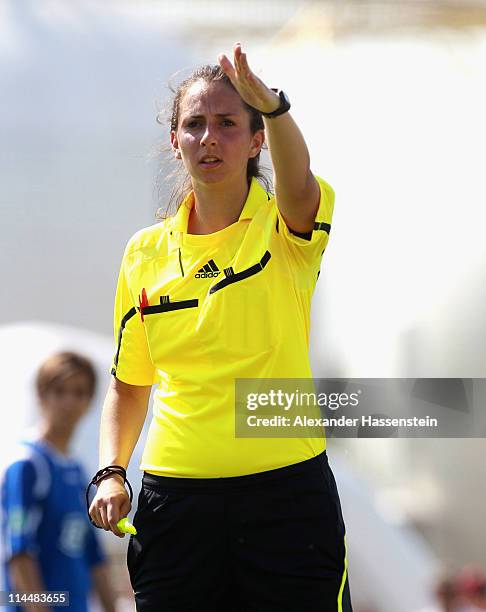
[[251, 88]]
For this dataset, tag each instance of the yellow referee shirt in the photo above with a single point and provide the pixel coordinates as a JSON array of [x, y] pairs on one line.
[[194, 312]]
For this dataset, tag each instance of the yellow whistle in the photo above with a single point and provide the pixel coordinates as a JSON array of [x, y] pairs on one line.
[[125, 526]]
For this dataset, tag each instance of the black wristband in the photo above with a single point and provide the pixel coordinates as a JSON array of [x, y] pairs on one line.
[[283, 107], [101, 475]]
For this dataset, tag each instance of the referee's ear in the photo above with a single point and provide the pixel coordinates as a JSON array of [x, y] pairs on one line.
[[175, 145], [258, 138]]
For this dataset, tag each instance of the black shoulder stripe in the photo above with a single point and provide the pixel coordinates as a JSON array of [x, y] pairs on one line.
[[127, 317], [323, 227], [234, 277], [124, 321], [305, 235]]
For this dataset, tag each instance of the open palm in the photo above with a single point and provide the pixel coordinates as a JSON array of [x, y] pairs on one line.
[[250, 87]]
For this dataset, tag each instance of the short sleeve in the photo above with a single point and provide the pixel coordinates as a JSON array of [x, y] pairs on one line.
[[308, 249], [132, 363], [22, 508]]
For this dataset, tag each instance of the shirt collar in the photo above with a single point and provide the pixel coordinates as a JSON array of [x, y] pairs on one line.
[[257, 196]]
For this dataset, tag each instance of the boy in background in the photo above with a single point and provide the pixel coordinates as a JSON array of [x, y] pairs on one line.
[[49, 543]]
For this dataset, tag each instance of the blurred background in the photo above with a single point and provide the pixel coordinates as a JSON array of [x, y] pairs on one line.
[[390, 97]]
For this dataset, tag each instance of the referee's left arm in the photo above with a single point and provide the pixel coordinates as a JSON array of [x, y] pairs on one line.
[[297, 192]]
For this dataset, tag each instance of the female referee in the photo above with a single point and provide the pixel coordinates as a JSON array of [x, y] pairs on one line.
[[220, 291]]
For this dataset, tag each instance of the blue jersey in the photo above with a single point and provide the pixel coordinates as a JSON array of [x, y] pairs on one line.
[[44, 513]]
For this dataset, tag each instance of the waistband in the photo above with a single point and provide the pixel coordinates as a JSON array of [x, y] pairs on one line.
[[308, 466]]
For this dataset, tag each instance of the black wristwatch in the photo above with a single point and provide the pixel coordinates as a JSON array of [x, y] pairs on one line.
[[284, 105]]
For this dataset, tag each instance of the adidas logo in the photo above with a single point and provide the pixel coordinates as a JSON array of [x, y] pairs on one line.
[[210, 270]]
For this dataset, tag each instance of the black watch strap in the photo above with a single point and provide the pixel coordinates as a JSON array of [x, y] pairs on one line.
[[284, 105]]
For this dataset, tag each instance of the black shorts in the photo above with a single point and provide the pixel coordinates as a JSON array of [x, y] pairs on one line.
[[273, 541]]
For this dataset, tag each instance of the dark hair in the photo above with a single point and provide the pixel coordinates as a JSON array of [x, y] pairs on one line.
[[60, 366], [208, 74]]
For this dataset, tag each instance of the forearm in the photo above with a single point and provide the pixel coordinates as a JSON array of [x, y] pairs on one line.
[[296, 188], [122, 419], [289, 154], [26, 576], [103, 587], [297, 191]]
